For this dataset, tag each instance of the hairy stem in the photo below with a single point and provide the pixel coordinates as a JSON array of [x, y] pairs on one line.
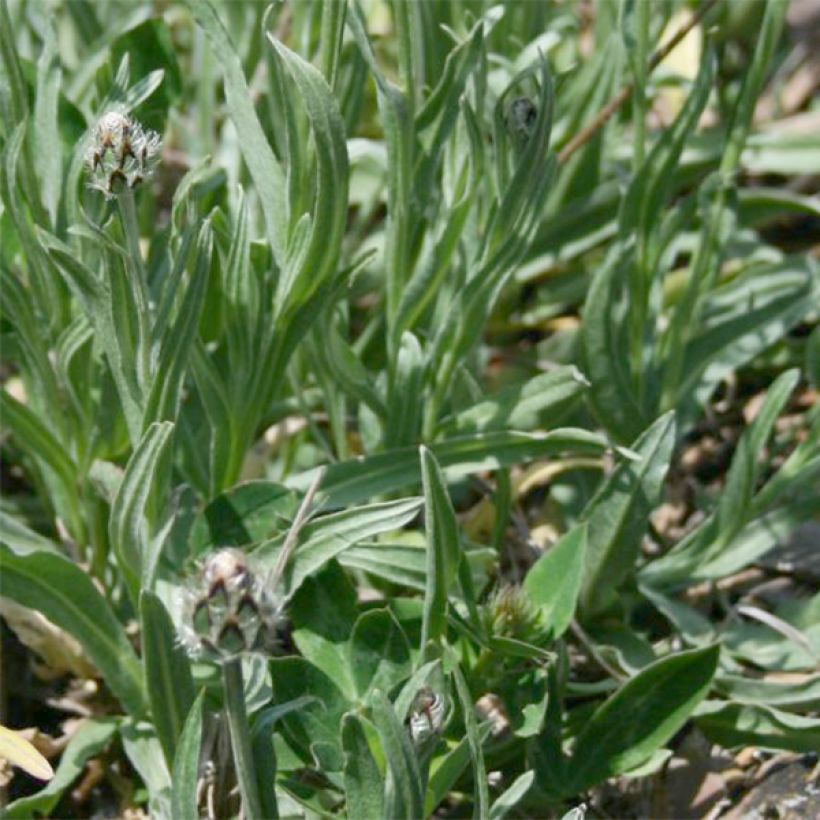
[[241, 739]]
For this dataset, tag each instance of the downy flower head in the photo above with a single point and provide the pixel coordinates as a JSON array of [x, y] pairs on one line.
[[509, 613], [121, 153], [228, 611]]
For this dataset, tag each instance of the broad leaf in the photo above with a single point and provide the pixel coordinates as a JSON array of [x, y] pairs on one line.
[[554, 581], [640, 717]]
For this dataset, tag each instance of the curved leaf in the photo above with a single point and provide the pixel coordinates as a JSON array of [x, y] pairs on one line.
[[640, 717], [60, 590]]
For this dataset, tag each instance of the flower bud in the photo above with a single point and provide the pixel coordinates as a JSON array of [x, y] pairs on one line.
[[121, 153], [228, 611], [509, 613]]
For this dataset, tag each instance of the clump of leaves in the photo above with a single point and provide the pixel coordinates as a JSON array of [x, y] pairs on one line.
[[405, 335]]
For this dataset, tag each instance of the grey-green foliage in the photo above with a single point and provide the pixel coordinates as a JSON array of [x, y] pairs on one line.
[[361, 254]]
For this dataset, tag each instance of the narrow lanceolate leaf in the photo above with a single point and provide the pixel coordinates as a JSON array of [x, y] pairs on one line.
[[746, 724], [264, 168], [66, 595], [617, 516], [175, 349], [640, 717], [322, 540], [403, 787], [46, 124], [506, 802], [356, 480], [186, 765], [364, 785], [21, 539], [443, 547], [35, 438], [742, 477], [554, 581], [299, 282], [403, 416], [481, 791], [167, 673], [132, 517], [95, 295], [605, 338], [537, 403]]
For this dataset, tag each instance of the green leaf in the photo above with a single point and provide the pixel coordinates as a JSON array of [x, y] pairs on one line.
[[618, 514], [318, 722], [733, 725], [300, 280], [802, 694], [356, 480], [538, 403], [243, 515], [133, 514], [379, 653], [443, 548], [323, 612], [403, 416], [605, 338], [403, 798], [110, 313], [554, 581], [364, 784], [403, 564], [754, 76], [640, 717], [175, 348], [512, 796], [150, 48], [481, 791], [451, 767], [344, 367], [46, 129], [22, 540], [741, 479], [324, 539], [144, 752], [744, 318], [264, 168], [168, 678], [186, 764], [396, 111], [35, 438], [88, 741], [66, 595], [15, 100]]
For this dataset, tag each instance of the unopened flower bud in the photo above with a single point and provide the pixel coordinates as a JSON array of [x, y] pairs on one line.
[[121, 153], [510, 614], [228, 612]]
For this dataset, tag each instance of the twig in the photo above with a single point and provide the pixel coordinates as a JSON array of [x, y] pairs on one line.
[[589, 645], [601, 118], [295, 528]]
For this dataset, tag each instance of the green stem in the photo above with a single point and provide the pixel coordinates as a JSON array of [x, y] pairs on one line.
[[241, 739], [139, 283], [639, 95], [402, 18], [333, 21]]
